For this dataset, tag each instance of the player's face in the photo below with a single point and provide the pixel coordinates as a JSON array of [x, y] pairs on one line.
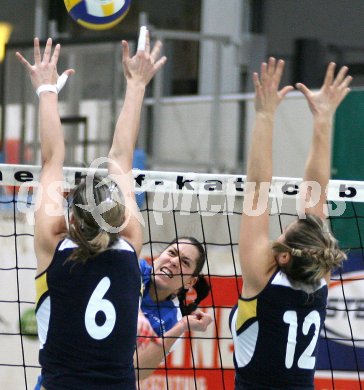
[[175, 266]]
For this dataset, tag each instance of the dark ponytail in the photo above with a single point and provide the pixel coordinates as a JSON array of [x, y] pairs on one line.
[[202, 289]]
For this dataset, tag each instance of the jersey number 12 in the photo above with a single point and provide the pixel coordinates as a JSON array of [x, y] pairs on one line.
[[306, 360]]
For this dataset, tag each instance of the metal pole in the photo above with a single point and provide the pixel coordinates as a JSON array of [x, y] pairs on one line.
[[2, 105], [74, 95], [117, 88], [216, 109], [143, 19], [157, 93], [20, 156], [40, 20]]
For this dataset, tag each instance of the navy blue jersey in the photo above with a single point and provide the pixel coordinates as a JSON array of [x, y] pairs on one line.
[[275, 335], [87, 319], [161, 315]]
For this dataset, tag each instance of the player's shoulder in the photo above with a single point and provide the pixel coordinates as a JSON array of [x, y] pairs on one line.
[[146, 271], [122, 245]]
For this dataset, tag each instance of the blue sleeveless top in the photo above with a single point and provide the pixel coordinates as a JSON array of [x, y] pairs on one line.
[[161, 315]]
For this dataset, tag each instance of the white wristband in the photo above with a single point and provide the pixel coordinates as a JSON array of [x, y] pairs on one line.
[[47, 87]]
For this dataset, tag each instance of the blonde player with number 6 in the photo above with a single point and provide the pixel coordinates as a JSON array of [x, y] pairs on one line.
[[88, 278]]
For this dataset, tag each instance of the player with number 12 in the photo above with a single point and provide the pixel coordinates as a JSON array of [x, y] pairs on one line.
[[281, 311]]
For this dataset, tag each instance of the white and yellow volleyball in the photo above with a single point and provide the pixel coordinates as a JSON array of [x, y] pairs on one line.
[[97, 14]]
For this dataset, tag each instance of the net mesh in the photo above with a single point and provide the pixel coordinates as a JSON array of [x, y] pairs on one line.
[[207, 207]]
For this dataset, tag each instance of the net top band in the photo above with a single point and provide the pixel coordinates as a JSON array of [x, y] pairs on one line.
[[184, 182]]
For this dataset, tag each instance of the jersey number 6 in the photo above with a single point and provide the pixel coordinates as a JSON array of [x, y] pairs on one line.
[[306, 360], [98, 304]]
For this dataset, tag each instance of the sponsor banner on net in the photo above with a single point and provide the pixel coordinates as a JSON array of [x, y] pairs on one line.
[[176, 182]]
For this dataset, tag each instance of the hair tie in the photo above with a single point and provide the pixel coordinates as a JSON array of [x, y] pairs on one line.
[[296, 252]]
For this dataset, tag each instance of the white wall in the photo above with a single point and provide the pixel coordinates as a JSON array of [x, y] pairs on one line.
[[219, 19], [292, 135], [185, 133]]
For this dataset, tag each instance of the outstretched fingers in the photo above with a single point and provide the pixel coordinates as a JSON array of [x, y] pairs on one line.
[[55, 55], [346, 82], [344, 86], [278, 72], [329, 76], [146, 62], [23, 61], [37, 55], [271, 66], [340, 76], [47, 51], [263, 72], [267, 94], [256, 81], [147, 42], [333, 91], [142, 38], [302, 88], [272, 75], [283, 92], [156, 51], [125, 50], [342, 81], [69, 72], [160, 63], [36, 50], [271, 72], [257, 85]]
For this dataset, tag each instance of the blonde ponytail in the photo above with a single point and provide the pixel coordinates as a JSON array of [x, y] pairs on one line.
[[314, 250], [90, 238]]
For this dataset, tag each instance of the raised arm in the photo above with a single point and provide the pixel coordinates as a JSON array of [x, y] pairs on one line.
[[254, 250], [49, 220], [323, 105], [138, 71]]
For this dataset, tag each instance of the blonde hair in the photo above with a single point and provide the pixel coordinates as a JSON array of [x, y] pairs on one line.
[[89, 236], [314, 250]]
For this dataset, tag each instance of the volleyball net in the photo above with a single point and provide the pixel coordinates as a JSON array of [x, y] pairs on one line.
[[208, 207]]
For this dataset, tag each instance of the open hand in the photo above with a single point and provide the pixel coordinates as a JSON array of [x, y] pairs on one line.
[[44, 70], [333, 91], [267, 94], [144, 64]]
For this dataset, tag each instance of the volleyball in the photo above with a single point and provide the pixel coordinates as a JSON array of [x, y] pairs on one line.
[[97, 14]]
